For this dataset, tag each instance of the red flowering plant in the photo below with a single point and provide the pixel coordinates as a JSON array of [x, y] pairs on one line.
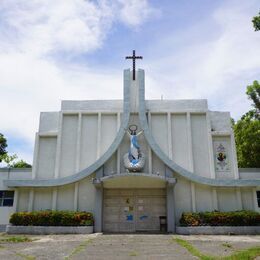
[[52, 218]]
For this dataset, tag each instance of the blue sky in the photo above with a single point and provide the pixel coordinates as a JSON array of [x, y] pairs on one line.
[[75, 49]]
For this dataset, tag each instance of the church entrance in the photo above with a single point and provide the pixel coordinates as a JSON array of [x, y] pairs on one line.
[[133, 210]]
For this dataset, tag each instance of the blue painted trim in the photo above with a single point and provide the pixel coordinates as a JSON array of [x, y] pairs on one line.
[[95, 166], [172, 165]]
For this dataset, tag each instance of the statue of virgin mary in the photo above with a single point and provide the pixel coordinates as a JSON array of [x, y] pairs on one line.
[[134, 160]]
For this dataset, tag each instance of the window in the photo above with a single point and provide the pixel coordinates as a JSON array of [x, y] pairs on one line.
[[6, 198], [258, 197]]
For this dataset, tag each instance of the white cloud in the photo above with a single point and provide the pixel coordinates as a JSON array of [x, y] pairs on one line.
[[134, 12], [215, 59], [31, 34], [40, 27], [77, 26], [219, 67]]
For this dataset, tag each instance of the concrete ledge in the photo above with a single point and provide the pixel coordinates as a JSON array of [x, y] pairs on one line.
[[41, 230], [218, 230]]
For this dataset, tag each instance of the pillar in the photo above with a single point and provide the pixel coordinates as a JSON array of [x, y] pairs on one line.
[[170, 206]]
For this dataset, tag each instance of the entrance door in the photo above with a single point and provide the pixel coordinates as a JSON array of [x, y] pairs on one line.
[[130, 210]]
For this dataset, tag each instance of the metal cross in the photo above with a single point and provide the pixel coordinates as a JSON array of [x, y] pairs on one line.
[[134, 58]]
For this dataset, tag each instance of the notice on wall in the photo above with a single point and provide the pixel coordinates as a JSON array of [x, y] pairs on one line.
[[130, 217], [140, 201], [140, 208], [221, 156]]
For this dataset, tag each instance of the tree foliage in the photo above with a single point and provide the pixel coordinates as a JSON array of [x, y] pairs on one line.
[[256, 22], [21, 164], [247, 131], [3, 145], [253, 92], [10, 160], [247, 135]]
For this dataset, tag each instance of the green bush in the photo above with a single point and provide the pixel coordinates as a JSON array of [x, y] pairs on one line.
[[216, 218], [52, 218]]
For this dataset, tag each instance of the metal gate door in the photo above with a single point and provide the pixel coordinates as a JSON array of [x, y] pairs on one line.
[[130, 210]]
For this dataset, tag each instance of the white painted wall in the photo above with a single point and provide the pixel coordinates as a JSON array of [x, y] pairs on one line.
[[220, 121], [108, 131], [180, 148], [46, 157], [200, 146], [65, 199], [87, 195], [182, 197], [49, 122], [88, 139], [23, 200], [42, 199], [159, 130], [227, 200], [203, 198], [247, 198], [68, 145]]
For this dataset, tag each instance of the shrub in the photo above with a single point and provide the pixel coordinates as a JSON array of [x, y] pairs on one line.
[[52, 218], [216, 218]]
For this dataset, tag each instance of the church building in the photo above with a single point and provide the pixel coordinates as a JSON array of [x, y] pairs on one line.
[[132, 162]]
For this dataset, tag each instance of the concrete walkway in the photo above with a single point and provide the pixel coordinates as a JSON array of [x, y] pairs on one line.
[[143, 246]]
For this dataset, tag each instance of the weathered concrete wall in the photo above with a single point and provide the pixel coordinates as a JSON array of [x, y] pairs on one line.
[[200, 145], [180, 144], [227, 199], [86, 195], [89, 137], [247, 198], [65, 199], [23, 200], [46, 157], [40, 230], [68, 145], [42, 199], [182, 198], [249, 173], [207, 230], [204, 200]]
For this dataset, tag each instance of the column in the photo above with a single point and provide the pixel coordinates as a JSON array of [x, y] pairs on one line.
[[170, 206], [98, 210]]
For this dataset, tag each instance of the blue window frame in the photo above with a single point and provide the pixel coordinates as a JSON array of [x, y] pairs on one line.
[[6, 198]]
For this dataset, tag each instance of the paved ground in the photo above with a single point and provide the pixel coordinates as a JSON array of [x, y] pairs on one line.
[[113, 247]]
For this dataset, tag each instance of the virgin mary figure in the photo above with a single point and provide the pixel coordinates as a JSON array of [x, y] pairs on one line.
[[134, 159]]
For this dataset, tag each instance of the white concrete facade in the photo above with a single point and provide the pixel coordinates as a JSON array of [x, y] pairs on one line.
[[187, 133]]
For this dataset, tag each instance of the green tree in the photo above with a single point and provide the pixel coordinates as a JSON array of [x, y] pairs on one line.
[[253, 92], [247, 131], [21, 164], [10, 160], [3, 145], [256, 22], [247, 135]]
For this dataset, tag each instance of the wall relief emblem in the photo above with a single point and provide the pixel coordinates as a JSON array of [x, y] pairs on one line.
[[221, 156]]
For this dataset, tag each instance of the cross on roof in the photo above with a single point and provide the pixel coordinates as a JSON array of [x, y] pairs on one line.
[[134, 58]]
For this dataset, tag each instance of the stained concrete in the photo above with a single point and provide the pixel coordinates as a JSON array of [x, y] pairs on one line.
[[121, 246]]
